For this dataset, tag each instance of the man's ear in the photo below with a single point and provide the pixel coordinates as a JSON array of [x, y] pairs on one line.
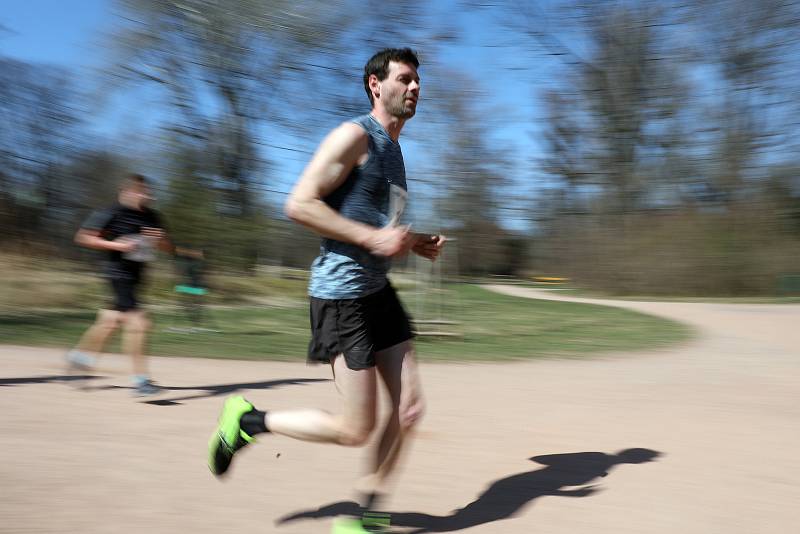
[[374, 86]]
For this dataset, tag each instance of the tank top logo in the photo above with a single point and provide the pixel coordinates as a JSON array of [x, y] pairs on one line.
[[397, 204]]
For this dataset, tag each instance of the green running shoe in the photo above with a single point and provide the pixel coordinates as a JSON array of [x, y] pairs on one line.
[[348, 526], [229, 437], [376, 521], [370, 522]]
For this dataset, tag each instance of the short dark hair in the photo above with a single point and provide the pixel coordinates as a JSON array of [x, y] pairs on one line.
[[379, 64], [133, 180]]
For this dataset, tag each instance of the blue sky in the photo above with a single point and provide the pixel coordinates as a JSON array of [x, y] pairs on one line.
[[55, 32], [69, 34]]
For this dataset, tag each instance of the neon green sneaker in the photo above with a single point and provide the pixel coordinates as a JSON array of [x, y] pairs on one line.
[[376, 521], [348, 526], [370, 522], [228, 437]]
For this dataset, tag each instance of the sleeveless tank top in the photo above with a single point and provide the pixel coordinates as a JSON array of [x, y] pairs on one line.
[[375, 194]]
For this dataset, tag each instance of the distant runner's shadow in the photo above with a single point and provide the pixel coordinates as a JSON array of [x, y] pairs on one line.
[[225, 389], [46, 379], [207, 391], [506, 497]]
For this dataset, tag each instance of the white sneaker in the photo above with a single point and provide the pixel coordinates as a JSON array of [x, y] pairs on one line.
[[79, 361]]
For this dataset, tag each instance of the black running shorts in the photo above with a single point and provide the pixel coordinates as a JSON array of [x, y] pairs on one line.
[[124, 294], [357, 328]]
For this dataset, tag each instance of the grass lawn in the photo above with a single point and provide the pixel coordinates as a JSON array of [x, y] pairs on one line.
[[488, 326]]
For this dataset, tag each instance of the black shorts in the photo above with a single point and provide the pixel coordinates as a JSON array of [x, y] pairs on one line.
[[124, 294], [357, 328]]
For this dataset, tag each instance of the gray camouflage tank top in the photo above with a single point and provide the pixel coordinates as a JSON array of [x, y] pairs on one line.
[[375, 194]]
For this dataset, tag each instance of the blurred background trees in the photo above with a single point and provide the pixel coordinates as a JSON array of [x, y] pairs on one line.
[[663, 140], [663, 150]]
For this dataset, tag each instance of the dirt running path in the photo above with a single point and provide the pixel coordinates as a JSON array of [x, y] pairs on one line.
[[723, 412]]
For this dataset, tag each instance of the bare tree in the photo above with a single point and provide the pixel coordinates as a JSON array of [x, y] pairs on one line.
[[38, 105]]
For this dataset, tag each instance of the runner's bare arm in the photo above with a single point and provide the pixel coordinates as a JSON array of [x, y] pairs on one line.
[[344, 148], [93, 239], [428, 245], [165, 244]]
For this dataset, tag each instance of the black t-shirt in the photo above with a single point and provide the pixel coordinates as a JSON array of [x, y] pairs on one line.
[[119, 221]]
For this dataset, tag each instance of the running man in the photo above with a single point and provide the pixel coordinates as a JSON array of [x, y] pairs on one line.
[[130, 232], [352, 193]]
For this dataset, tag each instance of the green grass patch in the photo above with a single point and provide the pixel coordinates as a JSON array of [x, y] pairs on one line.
[[488, 326], [500, 327], [34, 284]]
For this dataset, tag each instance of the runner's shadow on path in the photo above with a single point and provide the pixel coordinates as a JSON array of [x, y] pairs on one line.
[[563, 475], [214, 390], [226, 389], [46, 379]]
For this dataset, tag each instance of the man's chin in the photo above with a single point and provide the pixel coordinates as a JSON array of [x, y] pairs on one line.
[[408, 113]]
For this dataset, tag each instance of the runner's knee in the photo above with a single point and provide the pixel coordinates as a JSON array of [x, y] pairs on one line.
[[137, 323], [107, 319], [356, 436], [411, 414]]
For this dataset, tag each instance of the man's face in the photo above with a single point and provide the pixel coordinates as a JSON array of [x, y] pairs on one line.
[[399, 92], [136, 196]]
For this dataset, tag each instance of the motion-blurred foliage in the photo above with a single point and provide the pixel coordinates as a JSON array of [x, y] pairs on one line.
[[667, 147]]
